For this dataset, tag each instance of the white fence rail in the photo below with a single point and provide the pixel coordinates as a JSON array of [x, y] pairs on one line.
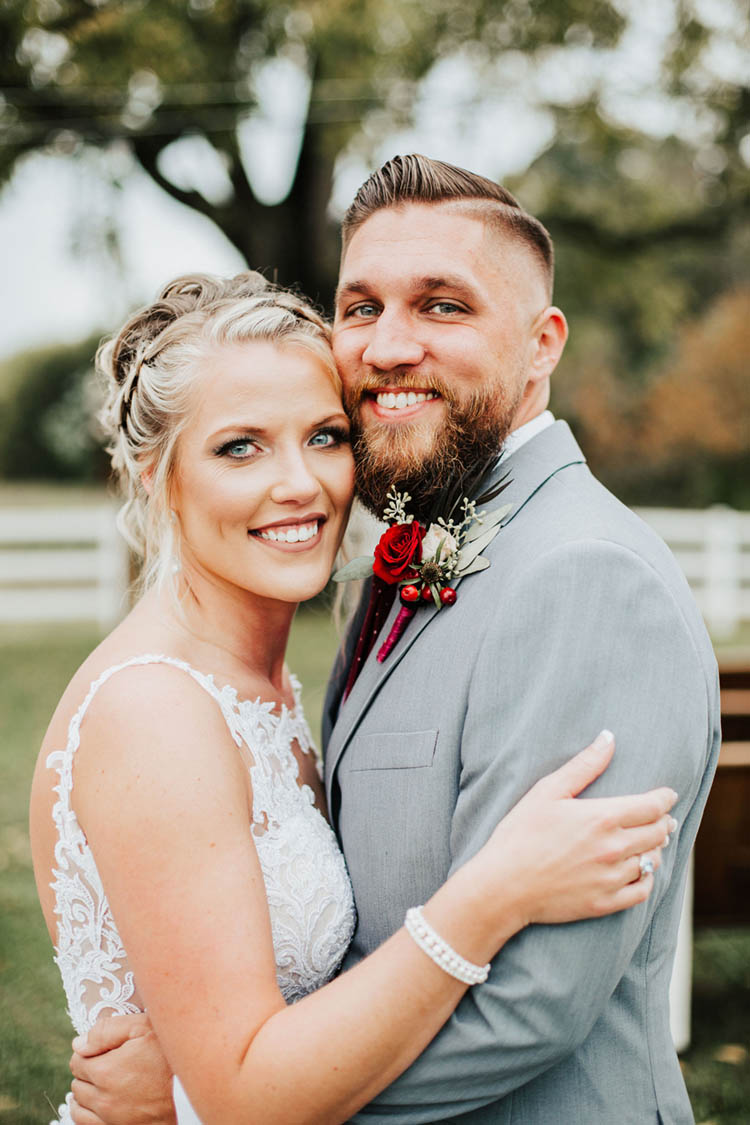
[[70, 564], [62, 564], [713, 548]]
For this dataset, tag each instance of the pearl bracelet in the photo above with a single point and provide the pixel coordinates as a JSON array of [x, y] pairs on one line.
[[446, 958]]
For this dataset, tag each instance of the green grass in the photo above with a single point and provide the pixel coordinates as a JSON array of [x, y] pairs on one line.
[[717, 1066], [34, 1029]]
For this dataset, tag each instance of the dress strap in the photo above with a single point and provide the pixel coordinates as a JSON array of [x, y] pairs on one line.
[[62, 760]]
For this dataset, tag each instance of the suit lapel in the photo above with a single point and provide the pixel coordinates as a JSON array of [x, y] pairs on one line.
[[529, 468]]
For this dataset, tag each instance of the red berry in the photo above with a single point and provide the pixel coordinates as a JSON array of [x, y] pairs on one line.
[[448, 595], [427, 594], [409, 594]]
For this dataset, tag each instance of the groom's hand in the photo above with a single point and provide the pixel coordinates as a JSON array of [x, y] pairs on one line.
[[120, 1076]]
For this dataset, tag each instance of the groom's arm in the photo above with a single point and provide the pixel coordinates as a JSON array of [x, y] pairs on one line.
[[593, 638]]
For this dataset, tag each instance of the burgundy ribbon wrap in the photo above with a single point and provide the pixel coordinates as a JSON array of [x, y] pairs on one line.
[[382, 595]]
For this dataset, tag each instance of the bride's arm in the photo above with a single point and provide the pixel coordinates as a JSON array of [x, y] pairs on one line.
[[162, 798]]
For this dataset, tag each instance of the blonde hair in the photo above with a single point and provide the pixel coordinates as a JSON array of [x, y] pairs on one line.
[[150, 368]]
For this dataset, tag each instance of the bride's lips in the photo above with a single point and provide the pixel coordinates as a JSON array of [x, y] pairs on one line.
[[293, 535], [400, 404]]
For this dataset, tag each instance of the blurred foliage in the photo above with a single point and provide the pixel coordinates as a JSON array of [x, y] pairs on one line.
[[644, 182], [48, 399], [99, 72]]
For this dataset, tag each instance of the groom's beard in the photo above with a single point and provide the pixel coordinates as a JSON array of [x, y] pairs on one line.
[[419, 459]]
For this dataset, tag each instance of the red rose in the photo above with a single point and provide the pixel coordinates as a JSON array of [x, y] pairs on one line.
[[397, 549]]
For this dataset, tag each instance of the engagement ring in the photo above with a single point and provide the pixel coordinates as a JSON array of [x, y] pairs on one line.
[[646, 866]]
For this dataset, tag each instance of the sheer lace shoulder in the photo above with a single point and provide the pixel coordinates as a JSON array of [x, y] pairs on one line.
[[309, 894]]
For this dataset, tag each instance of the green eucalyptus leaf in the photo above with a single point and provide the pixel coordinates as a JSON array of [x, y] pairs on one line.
[[488, 521], [471, 550], [475, 566], [357, 568]]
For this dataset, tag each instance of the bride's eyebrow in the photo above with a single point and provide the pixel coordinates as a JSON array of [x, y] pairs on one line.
[[339, 417], [238, 428]]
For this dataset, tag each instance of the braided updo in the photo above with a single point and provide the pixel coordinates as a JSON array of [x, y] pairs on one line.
[[150, 369]]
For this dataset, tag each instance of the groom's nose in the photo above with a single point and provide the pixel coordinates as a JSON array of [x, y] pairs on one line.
[[393, 342]]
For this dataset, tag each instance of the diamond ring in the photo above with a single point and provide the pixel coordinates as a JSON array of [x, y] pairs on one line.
[[646, 866]]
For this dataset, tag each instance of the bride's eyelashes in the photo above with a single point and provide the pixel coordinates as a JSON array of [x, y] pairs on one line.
[[238, 448], [243, 448], [336, 435]]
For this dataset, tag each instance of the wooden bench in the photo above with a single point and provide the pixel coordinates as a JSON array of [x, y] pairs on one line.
[[722, 850]]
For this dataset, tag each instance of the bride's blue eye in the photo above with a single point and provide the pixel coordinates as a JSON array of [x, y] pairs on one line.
[[238, 449], [330, 437]]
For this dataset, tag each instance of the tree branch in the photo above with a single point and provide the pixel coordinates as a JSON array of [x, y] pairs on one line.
[[147, 153]]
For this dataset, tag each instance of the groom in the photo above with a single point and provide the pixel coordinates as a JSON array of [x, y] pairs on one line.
[[446, 339]]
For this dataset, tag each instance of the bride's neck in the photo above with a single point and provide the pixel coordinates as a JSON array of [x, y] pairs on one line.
[[251, 630]]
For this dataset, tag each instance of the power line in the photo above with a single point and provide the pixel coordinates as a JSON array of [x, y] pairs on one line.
[[210, 121], [197, 93]]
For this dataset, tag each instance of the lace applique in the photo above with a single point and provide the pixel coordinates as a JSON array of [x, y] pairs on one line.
[[309, 894]]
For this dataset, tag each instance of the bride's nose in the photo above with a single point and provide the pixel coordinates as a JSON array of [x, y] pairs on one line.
[[295, 482]]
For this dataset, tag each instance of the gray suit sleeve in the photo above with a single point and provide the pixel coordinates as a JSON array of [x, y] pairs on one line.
[[593, 638]]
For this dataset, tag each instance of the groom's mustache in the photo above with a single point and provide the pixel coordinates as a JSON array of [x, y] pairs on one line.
[[403, 378]]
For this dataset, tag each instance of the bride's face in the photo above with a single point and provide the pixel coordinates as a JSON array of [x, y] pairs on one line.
[[264, 474]]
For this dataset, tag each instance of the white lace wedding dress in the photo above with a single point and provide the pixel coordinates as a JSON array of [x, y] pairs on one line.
[[308, 889]]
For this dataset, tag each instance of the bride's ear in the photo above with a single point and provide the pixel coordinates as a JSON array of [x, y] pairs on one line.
[[147, 480]]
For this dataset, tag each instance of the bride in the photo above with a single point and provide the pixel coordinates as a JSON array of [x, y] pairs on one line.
[[182, 853]]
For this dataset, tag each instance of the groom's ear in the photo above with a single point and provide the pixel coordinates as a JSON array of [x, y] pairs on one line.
[[550, 333]]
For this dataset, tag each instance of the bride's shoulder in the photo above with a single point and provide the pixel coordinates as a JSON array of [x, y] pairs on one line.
[[119, 695]]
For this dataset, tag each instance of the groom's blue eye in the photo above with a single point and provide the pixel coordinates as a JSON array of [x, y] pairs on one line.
[[366, 309], [445, 307]]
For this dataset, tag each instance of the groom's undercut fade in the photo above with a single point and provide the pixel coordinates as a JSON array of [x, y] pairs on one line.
[[420, 179]]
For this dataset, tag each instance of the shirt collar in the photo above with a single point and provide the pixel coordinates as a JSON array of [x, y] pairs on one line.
[[526, 432]]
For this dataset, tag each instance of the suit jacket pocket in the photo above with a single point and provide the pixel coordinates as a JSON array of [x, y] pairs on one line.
[[398, 750]]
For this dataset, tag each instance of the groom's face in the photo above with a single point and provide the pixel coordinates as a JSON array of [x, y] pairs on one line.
[[434, 338]]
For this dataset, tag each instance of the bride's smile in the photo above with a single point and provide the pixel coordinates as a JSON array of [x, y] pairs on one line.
[[263, 475]]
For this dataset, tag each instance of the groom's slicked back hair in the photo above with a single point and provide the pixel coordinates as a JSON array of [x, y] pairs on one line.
[[420, 179]]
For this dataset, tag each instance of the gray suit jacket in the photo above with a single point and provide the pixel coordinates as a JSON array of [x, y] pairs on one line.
[[583, 621]]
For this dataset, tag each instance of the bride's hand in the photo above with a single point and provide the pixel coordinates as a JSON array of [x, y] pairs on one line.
[[576, 858]]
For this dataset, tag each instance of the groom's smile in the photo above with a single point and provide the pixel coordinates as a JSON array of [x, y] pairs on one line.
[[396, 403]]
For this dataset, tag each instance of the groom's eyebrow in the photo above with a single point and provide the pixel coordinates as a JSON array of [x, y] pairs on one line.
[[457, 285], [351, 289], [454, 282]]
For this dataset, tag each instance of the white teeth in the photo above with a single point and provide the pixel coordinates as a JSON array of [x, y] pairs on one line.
[[300, 533], [391, 401]]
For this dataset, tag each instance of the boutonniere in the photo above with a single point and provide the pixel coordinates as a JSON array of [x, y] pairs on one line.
[[423, 561]]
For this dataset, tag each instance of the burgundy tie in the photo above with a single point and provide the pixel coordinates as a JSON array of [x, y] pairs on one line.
[[382, 595]]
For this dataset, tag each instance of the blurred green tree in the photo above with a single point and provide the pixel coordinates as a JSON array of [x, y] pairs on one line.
[[93, 72], [644, 181], [48, 400]]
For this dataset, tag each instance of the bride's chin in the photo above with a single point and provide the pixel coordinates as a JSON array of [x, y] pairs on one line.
[[292, 591]]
